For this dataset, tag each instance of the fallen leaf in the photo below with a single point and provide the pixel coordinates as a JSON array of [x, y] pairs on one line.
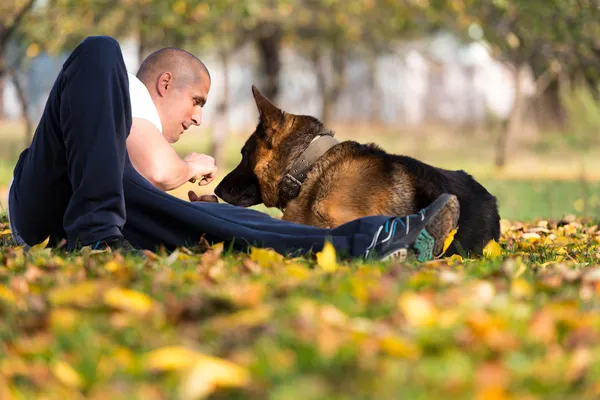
[[417, 309], [82, 294], [128, 300], [326, 258], [521, 289], [7, 295], [210, 373], [170, 358], [40, 246], [449, 239], [399, 347], [492, 250], [265, 257], [67, 375]]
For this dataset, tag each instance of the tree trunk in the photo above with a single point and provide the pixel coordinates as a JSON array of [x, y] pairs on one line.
[[3, 71], [375, 92], [24, 100], [549, 109], [339, 76], [513, 122], [268, 41], [220, 128], [329, 93], [317, 60], [2, 77], [142, 46]]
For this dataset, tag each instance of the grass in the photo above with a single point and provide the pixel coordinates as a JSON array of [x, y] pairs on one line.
[[521, 323]]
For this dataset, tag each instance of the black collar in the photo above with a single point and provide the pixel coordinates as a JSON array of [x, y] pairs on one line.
[[295, 177]]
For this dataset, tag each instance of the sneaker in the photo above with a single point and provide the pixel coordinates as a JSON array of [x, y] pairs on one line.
[[115, 243], [423, 233]]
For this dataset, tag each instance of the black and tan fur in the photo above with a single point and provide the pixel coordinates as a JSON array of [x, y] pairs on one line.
[[351, 180]]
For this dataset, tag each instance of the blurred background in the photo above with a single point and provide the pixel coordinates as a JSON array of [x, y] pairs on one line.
[[507, 90]]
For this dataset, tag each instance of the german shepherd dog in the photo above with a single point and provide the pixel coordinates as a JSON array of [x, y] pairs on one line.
[[293, 162]]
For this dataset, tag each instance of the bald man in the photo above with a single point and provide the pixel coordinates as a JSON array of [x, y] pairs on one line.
[[101, 160]]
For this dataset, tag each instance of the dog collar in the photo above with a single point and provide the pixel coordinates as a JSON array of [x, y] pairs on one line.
[[293, 180]]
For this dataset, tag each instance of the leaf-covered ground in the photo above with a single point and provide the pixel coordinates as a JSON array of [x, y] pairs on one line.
[[521, 323]]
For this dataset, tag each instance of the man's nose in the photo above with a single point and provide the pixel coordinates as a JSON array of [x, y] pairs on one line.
[[197, 118]]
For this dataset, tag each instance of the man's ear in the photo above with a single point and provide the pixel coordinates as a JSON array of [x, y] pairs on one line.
[[268, 112], [165, 81]]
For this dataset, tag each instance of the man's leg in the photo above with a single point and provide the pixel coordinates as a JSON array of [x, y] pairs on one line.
[[156, 218], [68, 183]]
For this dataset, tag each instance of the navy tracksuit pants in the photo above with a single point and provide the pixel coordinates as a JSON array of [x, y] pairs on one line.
[[76, 182]]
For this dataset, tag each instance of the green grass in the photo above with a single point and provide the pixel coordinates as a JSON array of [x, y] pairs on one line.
[[524, 325], [529, 199]]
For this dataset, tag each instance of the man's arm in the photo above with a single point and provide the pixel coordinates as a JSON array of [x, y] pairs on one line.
[[154, 158]]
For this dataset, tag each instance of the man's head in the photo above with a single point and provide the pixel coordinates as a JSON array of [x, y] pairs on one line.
[[178, 83]]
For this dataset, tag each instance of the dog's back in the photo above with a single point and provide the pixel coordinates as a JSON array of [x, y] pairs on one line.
[[479, 218], [410, 184]]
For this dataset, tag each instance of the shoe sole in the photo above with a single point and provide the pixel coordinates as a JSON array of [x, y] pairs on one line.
[[443, 218]]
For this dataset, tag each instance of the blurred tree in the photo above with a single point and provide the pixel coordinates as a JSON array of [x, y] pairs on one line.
[[12, 13], [550, 37]]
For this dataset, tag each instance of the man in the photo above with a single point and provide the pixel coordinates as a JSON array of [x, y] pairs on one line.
[[100, 161]]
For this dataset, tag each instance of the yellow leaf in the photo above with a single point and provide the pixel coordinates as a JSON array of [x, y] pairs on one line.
[[492, 249], [531, 237], [112, 266], [81, 294], [449, 240], [66, 375], [455, 259], [40, 246], [128, 300], [5, 232], [63, 318], [298, 271], [265, 257], [492, 393], [179, 7], [417, 309], [7, 295], [326, 258], [399, 347], [521, 289], [171, 358], [210, 373], [246, 318]]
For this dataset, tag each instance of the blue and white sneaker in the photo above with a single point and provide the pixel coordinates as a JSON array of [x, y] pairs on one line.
[[422, 234]]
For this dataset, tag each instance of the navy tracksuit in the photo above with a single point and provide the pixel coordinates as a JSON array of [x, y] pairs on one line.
[[76, 182]]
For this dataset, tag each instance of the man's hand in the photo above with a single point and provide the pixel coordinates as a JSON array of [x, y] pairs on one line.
[[203, 168], [208, 198]]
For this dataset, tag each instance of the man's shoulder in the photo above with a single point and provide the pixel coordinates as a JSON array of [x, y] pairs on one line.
[[142, 105]]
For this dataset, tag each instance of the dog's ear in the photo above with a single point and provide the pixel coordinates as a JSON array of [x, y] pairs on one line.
[[268, 112]]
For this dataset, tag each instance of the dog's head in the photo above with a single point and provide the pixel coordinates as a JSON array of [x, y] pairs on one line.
[[268, 154]]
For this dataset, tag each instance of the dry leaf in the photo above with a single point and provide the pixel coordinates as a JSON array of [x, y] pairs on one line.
[[326, 258], [128, 300], [210, 373], [170, 358], [67, 375], [448, 240], [265, 257], [492, 250], [418, 310]]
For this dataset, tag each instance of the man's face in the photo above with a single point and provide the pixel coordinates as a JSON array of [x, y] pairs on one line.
[[180, 106]]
